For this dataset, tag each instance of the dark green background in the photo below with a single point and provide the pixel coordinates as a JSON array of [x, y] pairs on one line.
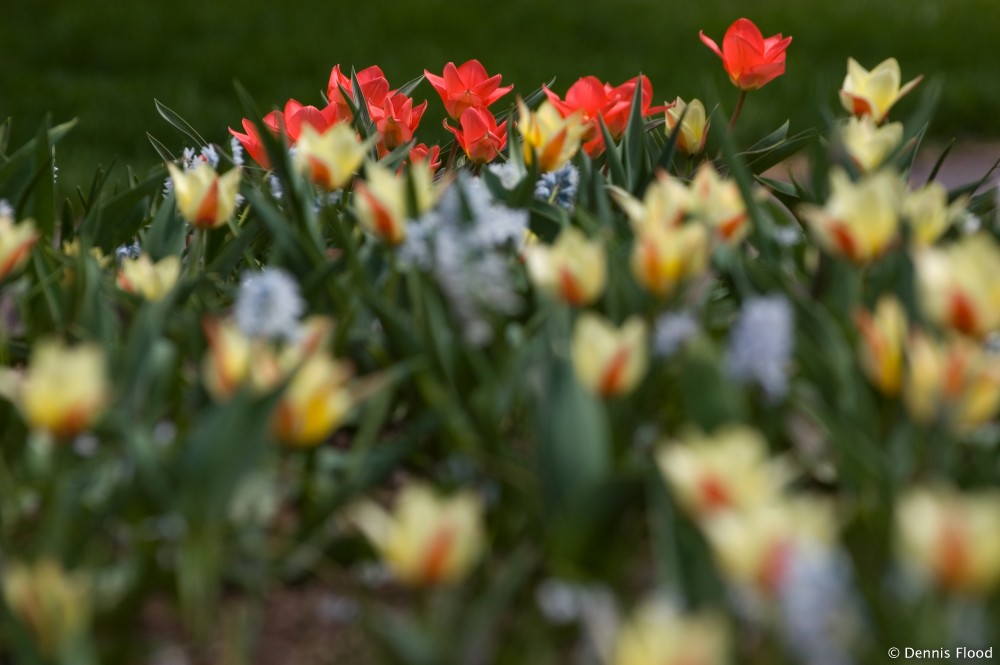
[[104, 63]]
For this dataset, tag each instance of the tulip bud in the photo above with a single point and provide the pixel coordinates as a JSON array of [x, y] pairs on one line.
[[549, 138], [882, 338], [609, 361], [718, 203], [150, 280], [381, 199], [928, 213], [573, 268], [65, 390], [330, 158], [16, 241], [868, 144], [664, 257], [53, 604], [204, 198], [694, 128], [314, 403], [427, 539], [951, 540]]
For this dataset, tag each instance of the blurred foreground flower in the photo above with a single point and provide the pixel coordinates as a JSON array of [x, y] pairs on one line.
[[883, 337], [329, 159], [573, 268], [928, 213], [656, 634], [750, 60], [150, 280], [868, 144], [314, 403], [874, 92], [269, 305], [728, 470], [50, 602], [382, 199], [427, 539], [16, 241], [717, 202], [204, 198], [466, 86], [860, 219], [608, 360], [693, 128], [951, 539], [958, 284], [549, 139], [65, 390], [761, 343]]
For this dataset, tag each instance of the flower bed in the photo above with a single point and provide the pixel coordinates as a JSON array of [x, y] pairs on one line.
[[582, 385]]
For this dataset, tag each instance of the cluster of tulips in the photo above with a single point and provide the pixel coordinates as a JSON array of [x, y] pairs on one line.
[[760, 413]]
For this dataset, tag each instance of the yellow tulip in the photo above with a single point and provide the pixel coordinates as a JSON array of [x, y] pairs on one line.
[[694, 129], [609, 361], [150, 280], [573, 268], [950, 539], [958, 284], [204, 198], [16, 241], [718, 203], [753, 546], [427, 539], [929, 214], [548, 136], [657, 635], [381, 199], [53, 604], [868, 144], [729, 470], [860, 220], [65, 389], [314, 403], [664, 257], [957, 381], [874, 92], [665, 203], [883, 336], [330, 158]]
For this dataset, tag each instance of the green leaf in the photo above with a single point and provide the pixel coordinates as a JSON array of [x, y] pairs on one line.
[[634, 142], [161, 149], [179, 123]]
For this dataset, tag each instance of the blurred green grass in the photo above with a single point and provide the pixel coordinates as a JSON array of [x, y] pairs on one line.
[[104, 63]]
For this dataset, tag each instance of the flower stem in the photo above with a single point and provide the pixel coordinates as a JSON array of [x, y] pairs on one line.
[[737, 110]]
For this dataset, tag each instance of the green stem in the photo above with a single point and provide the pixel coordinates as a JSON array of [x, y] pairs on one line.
[[737, 110]]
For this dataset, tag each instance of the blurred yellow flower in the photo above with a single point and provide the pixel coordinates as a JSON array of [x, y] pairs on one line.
[[860, 219], [868, 144], [956, 381], [717, 202], [958, 284], [427, 539], [873, 93], [330, 158], [728, 470], [314, 403], [16, 241], [65, 389], [150, 280], [52, 603], [573, 268], [694, 128], [609, 361], [753, 547], [951, 539], [548, 136], [664, 257], [664, 203], [72, 248], [657, 635], [204, 198], [929, 214], [380, 199], [883, 337]]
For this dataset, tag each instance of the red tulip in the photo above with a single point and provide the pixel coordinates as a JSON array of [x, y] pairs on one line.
[[251, 143], [396, 119], [374, 88], [479, 136], [593, 99], [465, 86], [288, 121], [432, 155], [750, 60]]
